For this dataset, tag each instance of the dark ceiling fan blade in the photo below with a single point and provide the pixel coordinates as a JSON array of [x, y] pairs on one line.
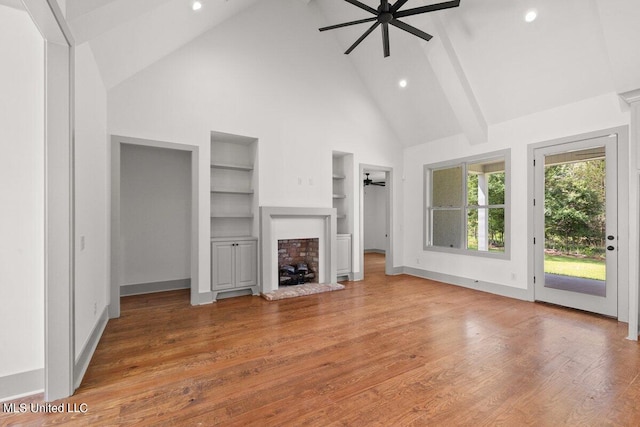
[[398, 5], [362, 37], [385, 39], [363, 6], [424, 9], [410, 29], [346, 24]]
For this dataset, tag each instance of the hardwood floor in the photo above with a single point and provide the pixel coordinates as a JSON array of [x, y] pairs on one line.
[[386, 351]]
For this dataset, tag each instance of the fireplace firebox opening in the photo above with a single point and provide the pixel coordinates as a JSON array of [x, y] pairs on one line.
[[298, 261]]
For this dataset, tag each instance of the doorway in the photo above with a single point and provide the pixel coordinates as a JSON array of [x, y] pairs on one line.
[[118, 266], [576, 225], [376, 219]]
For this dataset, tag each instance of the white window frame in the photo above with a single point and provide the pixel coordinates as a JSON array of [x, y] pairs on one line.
[[428, 205]]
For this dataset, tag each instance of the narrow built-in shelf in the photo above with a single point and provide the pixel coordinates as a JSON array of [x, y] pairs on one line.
[[232, 215], [339, 196], [238, 237], [336, 176], [230, 191], [232, 166], [341, 217]]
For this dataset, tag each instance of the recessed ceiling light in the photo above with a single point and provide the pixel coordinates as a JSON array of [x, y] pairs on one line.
[[531, 15], [403, 83], [196, 5]]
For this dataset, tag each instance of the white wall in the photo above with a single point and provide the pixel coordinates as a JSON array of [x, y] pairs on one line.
[[22, 189], [375, 217], [287, 85], [155, 214], [590, 115], [91, 196]]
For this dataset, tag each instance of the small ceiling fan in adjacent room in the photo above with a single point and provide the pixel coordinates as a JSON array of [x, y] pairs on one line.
[[388, 14], [368, 181]]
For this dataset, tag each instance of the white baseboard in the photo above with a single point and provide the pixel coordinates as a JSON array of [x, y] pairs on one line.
[[493, 288], [202, 298], [233, 293], [397, 270], [82, 361], [21, 384], [148, 288]]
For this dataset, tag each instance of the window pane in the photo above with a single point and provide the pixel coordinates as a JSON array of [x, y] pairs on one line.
[[447, 187], [485, 182], [446, 228], [496, 188], [485, 229], [472, 189]]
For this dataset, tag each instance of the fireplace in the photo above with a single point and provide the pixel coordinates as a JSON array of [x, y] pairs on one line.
[[298, 261], [293, 223]]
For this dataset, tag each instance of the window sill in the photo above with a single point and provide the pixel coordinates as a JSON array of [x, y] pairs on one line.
[[455, 251]]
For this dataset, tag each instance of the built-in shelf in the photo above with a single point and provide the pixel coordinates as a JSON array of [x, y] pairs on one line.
[[237, 238], [230, 166], [339, 196], [231, 191], [336, 176], [231, 215]]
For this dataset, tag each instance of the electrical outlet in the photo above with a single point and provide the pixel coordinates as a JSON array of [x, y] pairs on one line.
[[417, 260], [514, 277], [82, 243], [299, 181], [95, 308]]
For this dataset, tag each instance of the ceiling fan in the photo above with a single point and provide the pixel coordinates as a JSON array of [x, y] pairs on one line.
[[388, 14], [368, 181]]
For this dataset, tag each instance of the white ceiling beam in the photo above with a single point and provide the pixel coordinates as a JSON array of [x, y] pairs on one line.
[[451, 76]]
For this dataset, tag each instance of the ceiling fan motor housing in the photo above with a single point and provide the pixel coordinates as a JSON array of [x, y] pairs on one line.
[[388, 14]]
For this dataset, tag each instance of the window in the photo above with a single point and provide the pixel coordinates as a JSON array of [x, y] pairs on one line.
[[467, 205]]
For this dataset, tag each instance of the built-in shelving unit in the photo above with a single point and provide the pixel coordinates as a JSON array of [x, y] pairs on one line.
[[233, 186], [343, 190], [343, 202]]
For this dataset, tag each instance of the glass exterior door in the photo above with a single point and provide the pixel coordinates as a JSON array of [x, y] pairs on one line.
[[575, 225]]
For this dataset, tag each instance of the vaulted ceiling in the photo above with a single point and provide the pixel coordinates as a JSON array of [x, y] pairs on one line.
[[484, 66]]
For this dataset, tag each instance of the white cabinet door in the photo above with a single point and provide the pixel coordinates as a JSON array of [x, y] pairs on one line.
[[222, 262], [246, 263], [343, 243], [234, 264]]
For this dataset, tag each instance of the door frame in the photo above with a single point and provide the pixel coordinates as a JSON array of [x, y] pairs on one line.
[[388, 269], [609, 305], [59, 250], [116, 251], [623, 210]]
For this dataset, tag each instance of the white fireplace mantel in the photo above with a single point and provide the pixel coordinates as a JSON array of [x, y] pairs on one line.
[[270, 215]]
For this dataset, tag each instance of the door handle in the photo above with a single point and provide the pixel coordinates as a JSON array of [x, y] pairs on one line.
[[610, 248]]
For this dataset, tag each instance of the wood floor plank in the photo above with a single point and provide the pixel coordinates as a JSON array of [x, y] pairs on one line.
[[389, 350]]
